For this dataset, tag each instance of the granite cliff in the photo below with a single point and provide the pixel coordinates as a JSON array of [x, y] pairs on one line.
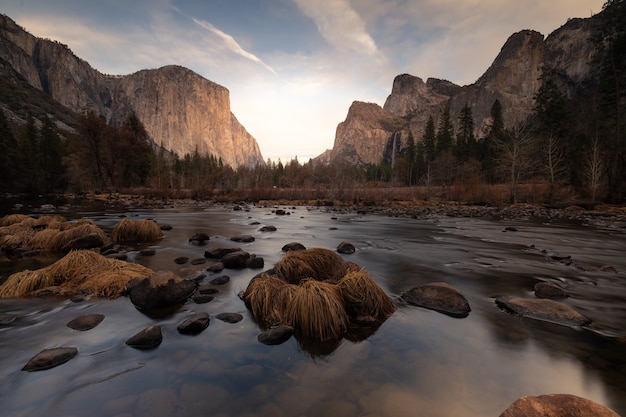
[[180, 109], [513, 78]]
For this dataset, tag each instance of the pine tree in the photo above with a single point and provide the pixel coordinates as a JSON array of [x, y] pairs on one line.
[[429, 140], [444, 131], [465, 140]]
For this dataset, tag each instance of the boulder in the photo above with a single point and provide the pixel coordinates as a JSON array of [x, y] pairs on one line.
[[255, 262], [85, 322], [230, 317], [548, 290], [181, 260], [346, 248], [163, 289], [235, 260], [293, 246], [194, 324], [90, 241], [216, 267], [148, 338], [267, 229], [49, 358], [199, 238], [280, 212], [543, 309], [438, 296], [276, 335], [219, 253], [557, 405]]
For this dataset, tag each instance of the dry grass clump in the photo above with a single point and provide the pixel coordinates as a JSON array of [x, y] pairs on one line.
[[128, 230], [316, 311], [62, 238], [50, 221], [10, 219], [317, 263], [267, 297], [79, 271], [43, 238], [16, 235], [363, 297]]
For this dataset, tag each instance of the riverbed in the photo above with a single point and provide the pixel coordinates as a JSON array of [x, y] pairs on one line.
[[418, 362]]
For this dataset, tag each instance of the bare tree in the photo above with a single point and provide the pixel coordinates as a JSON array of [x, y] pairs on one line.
[[594, 168], [515, 150], [553, 162]]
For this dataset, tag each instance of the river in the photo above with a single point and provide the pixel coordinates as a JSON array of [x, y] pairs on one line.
[[418, 363]]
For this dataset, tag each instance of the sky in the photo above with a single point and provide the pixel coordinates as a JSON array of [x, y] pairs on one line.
[[294, 67]]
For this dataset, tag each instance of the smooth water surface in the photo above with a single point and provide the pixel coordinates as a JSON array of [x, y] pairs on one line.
[[418, 363]]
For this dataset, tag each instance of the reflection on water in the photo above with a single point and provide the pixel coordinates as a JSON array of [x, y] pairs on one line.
[[418, 362]]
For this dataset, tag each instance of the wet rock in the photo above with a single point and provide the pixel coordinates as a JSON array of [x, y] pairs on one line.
[[49, 358], [207, 289], [196, 276], [230, 317], [90, 241], [276, 335], [235, 260], [181, 260], [199, 238], [280, 212], [255, 262], [543, 309], [147, 252], [510, 229], [267, 229], [221, 280], [216, 267], [548, 290], [202, 298], [148, 338], [162, 289], [243, 238], [85, 322], [440, 297], [346, 248], [219, 253], [198, 261], [165, 227], [293, 246], [194, 324], [608, 268], [557, 405]]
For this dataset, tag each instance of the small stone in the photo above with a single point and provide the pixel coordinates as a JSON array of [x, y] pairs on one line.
[[206, 289], [6, 319], [166, 227], [547, 290], [199, 238], [255, 262], [276, 335], [293, 246], [216, 267], [194, 324], [230, 317], [235, 260], [219, 252], [198, 261], [267, 229], [148, 338], [49, 358], [202, 298], [147, 252], [181, 260], [280, 212], [346, 248], [243, 238], [85, 322], [439, 296], [221, 280]]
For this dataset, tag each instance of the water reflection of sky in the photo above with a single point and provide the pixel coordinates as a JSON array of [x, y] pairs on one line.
[[419, 362]]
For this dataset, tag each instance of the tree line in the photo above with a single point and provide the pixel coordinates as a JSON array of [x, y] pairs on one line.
[[569, 142]]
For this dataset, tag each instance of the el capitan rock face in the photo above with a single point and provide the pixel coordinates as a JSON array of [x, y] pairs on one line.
[[512, 78], [180, 109]]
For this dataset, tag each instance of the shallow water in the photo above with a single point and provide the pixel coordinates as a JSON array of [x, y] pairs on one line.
[[418, 363]]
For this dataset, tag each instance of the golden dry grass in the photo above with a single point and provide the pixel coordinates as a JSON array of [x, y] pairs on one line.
[[58, 241], [10, 219], [128, 230], [316, 311], [267, 298], [78, 271], [43, 239], [316, 263], [363, 297], [48, 220]]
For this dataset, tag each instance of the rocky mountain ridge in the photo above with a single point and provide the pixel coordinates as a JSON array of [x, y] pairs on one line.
[[180, 109], [367, 136]]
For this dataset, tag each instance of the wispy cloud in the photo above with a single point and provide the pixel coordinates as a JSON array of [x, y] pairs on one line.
[[232, 44], [339, 24]]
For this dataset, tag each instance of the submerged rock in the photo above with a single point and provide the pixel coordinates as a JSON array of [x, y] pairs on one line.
[[346, 248], [49, 358], [243, 238], [547, 290], [148, 338], [85, 322], [440, 297], [557, 405], [235, 260], [543, 309], [230, 317], [293, 246], [276, 335], [199, 238], [219, 253], [162, 289]]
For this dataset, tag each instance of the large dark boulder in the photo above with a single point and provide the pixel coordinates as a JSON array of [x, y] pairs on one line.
[[543, 309], [49, 358], [557, 405], [439, 296], [163, 289]]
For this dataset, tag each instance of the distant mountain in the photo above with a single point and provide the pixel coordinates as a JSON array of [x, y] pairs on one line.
[[370, 132], [180, 109]]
